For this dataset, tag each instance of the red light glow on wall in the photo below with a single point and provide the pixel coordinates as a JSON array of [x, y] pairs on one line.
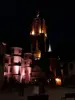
[[22, 73], [18, 67], [28, 72], [17, 59]]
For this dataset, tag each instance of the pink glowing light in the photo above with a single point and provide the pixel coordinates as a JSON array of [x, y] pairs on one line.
[[22, 73], [5, 73], [28, 70], [16, 69], [28, 62], [17, 59], [8, 70], [27, 76]]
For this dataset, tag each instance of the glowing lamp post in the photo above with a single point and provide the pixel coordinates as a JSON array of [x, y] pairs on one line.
[[58, 81]]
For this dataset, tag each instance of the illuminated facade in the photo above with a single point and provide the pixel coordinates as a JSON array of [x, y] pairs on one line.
[[20, 65], [16, 61], [17, 67]]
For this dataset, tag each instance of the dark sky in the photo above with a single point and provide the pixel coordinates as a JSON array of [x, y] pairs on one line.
[[16, 18]]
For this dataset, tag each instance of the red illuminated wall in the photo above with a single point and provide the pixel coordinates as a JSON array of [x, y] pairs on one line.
[[17, 59], [28, 74], [53, 64]]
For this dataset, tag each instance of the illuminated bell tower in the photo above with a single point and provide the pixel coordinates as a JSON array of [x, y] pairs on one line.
[[38, 36]]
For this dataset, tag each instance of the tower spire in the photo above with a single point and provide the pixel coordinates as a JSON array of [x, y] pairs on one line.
[[38, 33], [38, 14], [49, 50]]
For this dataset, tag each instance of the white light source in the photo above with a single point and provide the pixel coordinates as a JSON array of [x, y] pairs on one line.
[[58, 81], [49, 50]]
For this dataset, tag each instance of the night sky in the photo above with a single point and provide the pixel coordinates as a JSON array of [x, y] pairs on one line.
[[16, 18]]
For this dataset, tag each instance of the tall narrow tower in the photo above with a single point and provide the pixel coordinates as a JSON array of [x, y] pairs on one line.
[[38, 35]]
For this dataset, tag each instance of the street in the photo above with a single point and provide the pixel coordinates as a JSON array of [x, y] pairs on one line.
[[54, 93]]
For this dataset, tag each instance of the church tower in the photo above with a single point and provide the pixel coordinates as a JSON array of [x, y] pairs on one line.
[[38, 36]]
